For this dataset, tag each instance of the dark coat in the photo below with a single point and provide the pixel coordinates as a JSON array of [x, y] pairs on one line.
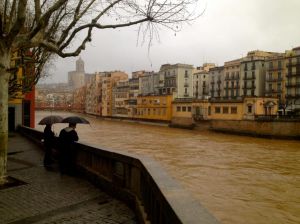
[[67, 137], [48, 136]]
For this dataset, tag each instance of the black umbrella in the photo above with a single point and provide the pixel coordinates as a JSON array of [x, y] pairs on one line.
[[52, 119], [75, 120]]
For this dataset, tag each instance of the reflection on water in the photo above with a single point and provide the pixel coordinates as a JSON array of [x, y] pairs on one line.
[[238, 179]]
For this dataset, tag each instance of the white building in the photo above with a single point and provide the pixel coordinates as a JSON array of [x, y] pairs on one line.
[[176, 79]]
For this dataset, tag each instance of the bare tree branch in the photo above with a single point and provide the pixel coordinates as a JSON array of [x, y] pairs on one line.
[[38, 10]]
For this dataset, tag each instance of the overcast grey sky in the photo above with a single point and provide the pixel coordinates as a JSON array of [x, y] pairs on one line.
[[227, 30]]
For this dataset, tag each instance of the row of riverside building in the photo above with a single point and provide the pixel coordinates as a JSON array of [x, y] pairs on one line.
[[260, 84]]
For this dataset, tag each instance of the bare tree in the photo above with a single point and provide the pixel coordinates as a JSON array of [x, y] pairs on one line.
[[51, 26], [30, 63]]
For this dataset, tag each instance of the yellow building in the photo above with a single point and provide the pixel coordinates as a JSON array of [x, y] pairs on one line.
[[109, 80], [154, 107], [250, 108], [21, 91], [186, 113], [226, 110], [261, 106], [182, 113], [200, 109]]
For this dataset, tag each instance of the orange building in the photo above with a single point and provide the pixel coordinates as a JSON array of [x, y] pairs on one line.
[[21, 101]]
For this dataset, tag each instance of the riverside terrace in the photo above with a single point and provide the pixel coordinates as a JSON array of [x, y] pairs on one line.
[[150, 194]]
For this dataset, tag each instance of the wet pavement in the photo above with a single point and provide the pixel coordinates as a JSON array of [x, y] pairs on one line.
[[42, 196]]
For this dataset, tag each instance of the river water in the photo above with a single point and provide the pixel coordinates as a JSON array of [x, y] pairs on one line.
[[238, 179]]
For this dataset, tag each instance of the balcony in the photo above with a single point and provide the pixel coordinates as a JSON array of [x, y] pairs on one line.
[[232, 78], [273, 91], [186, 85], [271, 79], [288, 85], [249, 78], [294, 63], [249, 87], [292, 96], [270, 69], [291, 74], [232, 87]]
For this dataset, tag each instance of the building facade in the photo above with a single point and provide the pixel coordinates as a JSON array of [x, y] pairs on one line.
[[293, 80], [21, 97], [201, 85], [93, 95], [156, 108], [76, 79], [216, 81], [109, 81], [232, 80], [120, 99], [275, 81], [253, 72]]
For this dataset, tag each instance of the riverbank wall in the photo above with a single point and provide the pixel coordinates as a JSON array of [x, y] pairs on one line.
[[138, 180], [283, 129], [269, 129]]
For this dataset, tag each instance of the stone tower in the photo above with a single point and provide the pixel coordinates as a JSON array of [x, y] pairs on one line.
[[80, 65], [76, 79]]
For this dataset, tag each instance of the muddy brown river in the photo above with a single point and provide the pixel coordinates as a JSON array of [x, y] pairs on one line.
[[238, 179]]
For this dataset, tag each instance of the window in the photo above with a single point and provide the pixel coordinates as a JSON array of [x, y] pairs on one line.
[[270, 87], [279, 76], [186, 74], [189, 109], [249, 108], [233, 110], [209, 110], [217, 110], [184, 109], [278, 86], [225, 110], [178, 109]]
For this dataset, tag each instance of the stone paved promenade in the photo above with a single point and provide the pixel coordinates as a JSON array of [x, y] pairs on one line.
[[48, 197]]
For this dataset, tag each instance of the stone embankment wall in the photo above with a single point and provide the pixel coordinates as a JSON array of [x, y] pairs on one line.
[[275, 128], [138, 180]]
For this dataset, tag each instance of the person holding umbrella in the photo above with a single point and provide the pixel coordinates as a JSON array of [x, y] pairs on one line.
[[67, 137], [48, 143], [49, 138]]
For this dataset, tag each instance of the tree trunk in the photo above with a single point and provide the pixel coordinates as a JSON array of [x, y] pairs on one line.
[[4, 79]]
